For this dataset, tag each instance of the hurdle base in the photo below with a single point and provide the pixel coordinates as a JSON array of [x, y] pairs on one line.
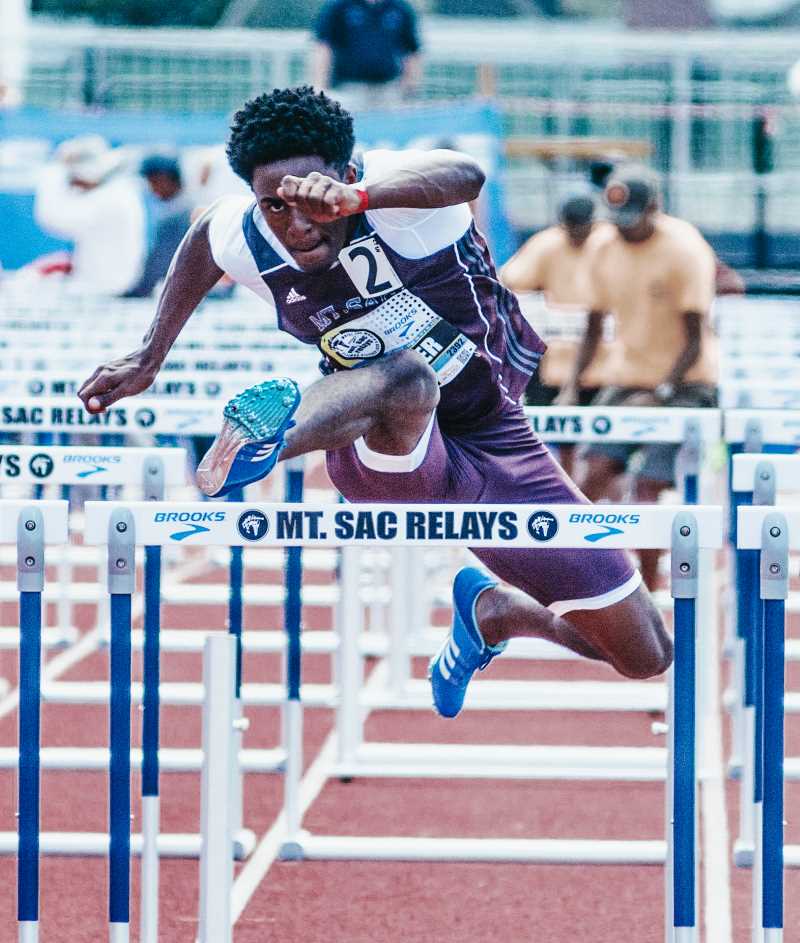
[[92, 844], [170, 759], [743, 854], [28, 931], [482, 761], [304, 846], [735, 768]]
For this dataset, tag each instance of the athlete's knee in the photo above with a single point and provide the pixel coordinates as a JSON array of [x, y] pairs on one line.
[[411, 384], [653, 654]]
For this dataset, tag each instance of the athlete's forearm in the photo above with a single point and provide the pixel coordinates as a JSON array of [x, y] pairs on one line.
[[192, 274], [428, 181]]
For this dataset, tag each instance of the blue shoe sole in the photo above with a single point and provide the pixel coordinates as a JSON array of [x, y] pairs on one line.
[[251, 437]]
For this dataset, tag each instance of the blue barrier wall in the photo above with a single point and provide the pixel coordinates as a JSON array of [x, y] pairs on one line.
[[21, 240]]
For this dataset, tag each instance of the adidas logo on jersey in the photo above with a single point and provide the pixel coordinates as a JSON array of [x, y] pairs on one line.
[[294, 296]]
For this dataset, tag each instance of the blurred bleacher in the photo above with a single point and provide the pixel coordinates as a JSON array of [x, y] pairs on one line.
[[700, 106]]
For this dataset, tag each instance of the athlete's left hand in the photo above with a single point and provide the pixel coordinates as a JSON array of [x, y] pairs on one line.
[[319, 197]]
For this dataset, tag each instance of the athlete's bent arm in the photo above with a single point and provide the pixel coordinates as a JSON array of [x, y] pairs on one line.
[[425, 180], [192, 274], [586, 351]]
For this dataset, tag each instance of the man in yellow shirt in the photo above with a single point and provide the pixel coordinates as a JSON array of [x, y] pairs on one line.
[[655, 274], [554, 262]]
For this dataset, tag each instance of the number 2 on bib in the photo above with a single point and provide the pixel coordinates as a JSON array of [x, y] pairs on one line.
[[368, 268]]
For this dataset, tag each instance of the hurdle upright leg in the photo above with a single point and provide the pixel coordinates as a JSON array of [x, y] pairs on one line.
[[30, 583], [121, 585], [774, 590], [685, 567]]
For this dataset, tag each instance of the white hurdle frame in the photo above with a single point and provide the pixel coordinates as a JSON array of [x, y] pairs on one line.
[[322, 525]]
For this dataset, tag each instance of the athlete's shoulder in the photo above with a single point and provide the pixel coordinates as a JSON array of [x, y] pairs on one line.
[[225, 218]]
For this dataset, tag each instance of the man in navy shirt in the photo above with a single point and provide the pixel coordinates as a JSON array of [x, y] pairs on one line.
[[367, 50]]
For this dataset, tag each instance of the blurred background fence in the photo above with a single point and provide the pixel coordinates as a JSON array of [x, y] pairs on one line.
[[711, 110]]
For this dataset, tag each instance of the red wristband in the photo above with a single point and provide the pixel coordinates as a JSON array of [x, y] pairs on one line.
[[363, 201]]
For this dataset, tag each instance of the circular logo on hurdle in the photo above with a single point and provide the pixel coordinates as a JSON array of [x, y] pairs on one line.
[[36, 387], [144, 418], [601, 425], [41, 465], [542, 526], [212, 389], [253, 525]]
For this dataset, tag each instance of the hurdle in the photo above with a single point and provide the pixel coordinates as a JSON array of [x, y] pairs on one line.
[[392, 687], [686, 530], [757, 479], [31, 526], [771, 532]]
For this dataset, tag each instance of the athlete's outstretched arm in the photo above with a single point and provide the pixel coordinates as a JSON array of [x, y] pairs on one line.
[[192, 274], [424, 180]]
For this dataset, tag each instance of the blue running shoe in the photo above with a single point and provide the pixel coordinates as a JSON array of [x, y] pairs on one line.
[[251, 438], [464, 651]]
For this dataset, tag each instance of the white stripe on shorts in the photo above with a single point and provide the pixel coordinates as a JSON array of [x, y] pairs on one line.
[[377, 461], [562, 606]]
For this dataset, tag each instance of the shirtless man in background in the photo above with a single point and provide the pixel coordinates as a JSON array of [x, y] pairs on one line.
[[655, 274]]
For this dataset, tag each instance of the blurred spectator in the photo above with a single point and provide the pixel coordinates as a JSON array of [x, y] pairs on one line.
[[207, 176], [555, 263], [655, 274], [168, 218], [86, 197], [13, 51], [368, 51]]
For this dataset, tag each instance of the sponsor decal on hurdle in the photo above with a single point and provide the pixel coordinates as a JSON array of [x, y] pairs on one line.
[[611, 524], [542, 525], [190, 518]]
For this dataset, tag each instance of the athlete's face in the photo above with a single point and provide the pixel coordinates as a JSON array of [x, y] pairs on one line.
[[314, 246]]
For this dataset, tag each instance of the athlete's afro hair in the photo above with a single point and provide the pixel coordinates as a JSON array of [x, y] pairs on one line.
[[289, 122]]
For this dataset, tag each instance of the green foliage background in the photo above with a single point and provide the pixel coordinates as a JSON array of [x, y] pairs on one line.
[[291, 14]]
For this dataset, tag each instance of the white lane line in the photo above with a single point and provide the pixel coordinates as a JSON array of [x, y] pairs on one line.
[[716, 858], [261, 860]]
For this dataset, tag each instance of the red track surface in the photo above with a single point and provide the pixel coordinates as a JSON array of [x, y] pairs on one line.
[[356, 902]]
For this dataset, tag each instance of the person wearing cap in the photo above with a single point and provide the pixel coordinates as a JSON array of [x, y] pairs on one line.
[[655, 275], [85, 196], [168, 218], [553, 262]]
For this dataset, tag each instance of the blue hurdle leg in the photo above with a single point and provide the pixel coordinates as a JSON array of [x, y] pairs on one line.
[[119, 819], [30, 582], [150, 741], [772, 869], [30, 620], [121, 584], [684, 903]]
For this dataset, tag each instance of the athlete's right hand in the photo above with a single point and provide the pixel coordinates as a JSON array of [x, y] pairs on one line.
[[117, 379]]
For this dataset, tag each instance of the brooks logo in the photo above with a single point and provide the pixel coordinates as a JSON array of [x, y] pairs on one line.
[[294, 296], [183, 534]]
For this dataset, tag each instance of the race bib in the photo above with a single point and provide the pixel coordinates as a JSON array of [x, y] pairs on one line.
[[401, 322], [368, 268]]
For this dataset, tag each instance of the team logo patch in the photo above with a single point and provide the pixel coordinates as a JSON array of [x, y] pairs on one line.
[[356, 344], [542, 526], [253, 525], [41, 465]]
